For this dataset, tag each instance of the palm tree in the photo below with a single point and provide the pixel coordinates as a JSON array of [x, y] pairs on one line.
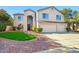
[[69, 15], [75, 21]]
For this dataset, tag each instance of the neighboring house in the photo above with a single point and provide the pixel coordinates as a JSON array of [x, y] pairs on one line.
[[50, 19]]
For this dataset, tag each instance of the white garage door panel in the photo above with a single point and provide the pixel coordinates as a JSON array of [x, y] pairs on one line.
[[61, 27], [49, 27], [53, 27]]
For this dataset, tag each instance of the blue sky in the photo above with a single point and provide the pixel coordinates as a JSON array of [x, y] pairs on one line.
[[19, 9]]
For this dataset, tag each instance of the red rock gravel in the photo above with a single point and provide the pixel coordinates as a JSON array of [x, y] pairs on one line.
[[39, 44]]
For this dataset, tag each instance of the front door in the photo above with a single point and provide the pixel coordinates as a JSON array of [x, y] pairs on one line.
[[29, 22], [29, 27]]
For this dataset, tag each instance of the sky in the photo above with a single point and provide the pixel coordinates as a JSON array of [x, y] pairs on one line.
[[20, 9]]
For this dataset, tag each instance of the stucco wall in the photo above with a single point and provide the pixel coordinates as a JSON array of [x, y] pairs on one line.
[[52, 12], [17, 21], [48, 11]]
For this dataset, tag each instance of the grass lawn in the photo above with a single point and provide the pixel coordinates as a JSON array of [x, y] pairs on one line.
[[19, 36]]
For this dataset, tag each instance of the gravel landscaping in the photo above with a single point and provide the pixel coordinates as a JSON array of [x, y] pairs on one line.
[[40, 44]]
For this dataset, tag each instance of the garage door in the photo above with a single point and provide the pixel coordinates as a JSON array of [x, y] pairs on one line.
[[53, 27], [61, 27], [48, 27]]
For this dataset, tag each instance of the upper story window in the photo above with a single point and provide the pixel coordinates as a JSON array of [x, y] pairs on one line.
[[45, 16], [19, 17], [58, 17]]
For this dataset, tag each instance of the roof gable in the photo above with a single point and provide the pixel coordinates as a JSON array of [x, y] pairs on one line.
[[29, 10], [18, 14], [52, 7]]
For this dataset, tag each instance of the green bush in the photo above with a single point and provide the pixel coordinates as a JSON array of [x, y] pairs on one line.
[[2, 27], [14, 28], [68, 29], [20, 26], [39, 29], [34, 28]]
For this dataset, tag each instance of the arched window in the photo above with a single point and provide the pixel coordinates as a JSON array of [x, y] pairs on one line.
[[29, 19]]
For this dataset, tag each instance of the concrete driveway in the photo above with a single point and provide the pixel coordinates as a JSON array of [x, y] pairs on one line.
[[66, 39]]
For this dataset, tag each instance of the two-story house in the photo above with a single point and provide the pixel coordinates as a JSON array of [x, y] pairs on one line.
[[50, 19]]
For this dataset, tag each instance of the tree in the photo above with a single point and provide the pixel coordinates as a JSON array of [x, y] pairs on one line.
[[5, 17], [69, 15], [75, 21]]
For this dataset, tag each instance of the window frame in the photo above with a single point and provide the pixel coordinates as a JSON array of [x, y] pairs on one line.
[[45, 16], [58, 17], [19, 17]]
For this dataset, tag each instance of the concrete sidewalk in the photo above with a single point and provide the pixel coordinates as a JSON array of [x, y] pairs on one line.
[[61, 50]]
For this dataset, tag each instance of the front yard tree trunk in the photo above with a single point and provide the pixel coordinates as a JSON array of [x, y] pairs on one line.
[[73, 26], [68, 25], [76, 26]]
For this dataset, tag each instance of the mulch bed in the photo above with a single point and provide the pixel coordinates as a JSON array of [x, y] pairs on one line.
[[39, 44]]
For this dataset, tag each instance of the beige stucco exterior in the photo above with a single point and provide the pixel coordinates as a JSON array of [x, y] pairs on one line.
[[52, 12], [51, 24], [16, 22], [48, 25], [26, 14], [24, 20]]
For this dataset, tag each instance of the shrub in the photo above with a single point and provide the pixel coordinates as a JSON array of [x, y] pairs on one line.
[[20, 26], [67, 29], [34, 28], [39, 29], [14, 28], [2, 27]]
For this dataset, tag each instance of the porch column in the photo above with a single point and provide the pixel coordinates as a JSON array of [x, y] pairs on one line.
[[37, 24]]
